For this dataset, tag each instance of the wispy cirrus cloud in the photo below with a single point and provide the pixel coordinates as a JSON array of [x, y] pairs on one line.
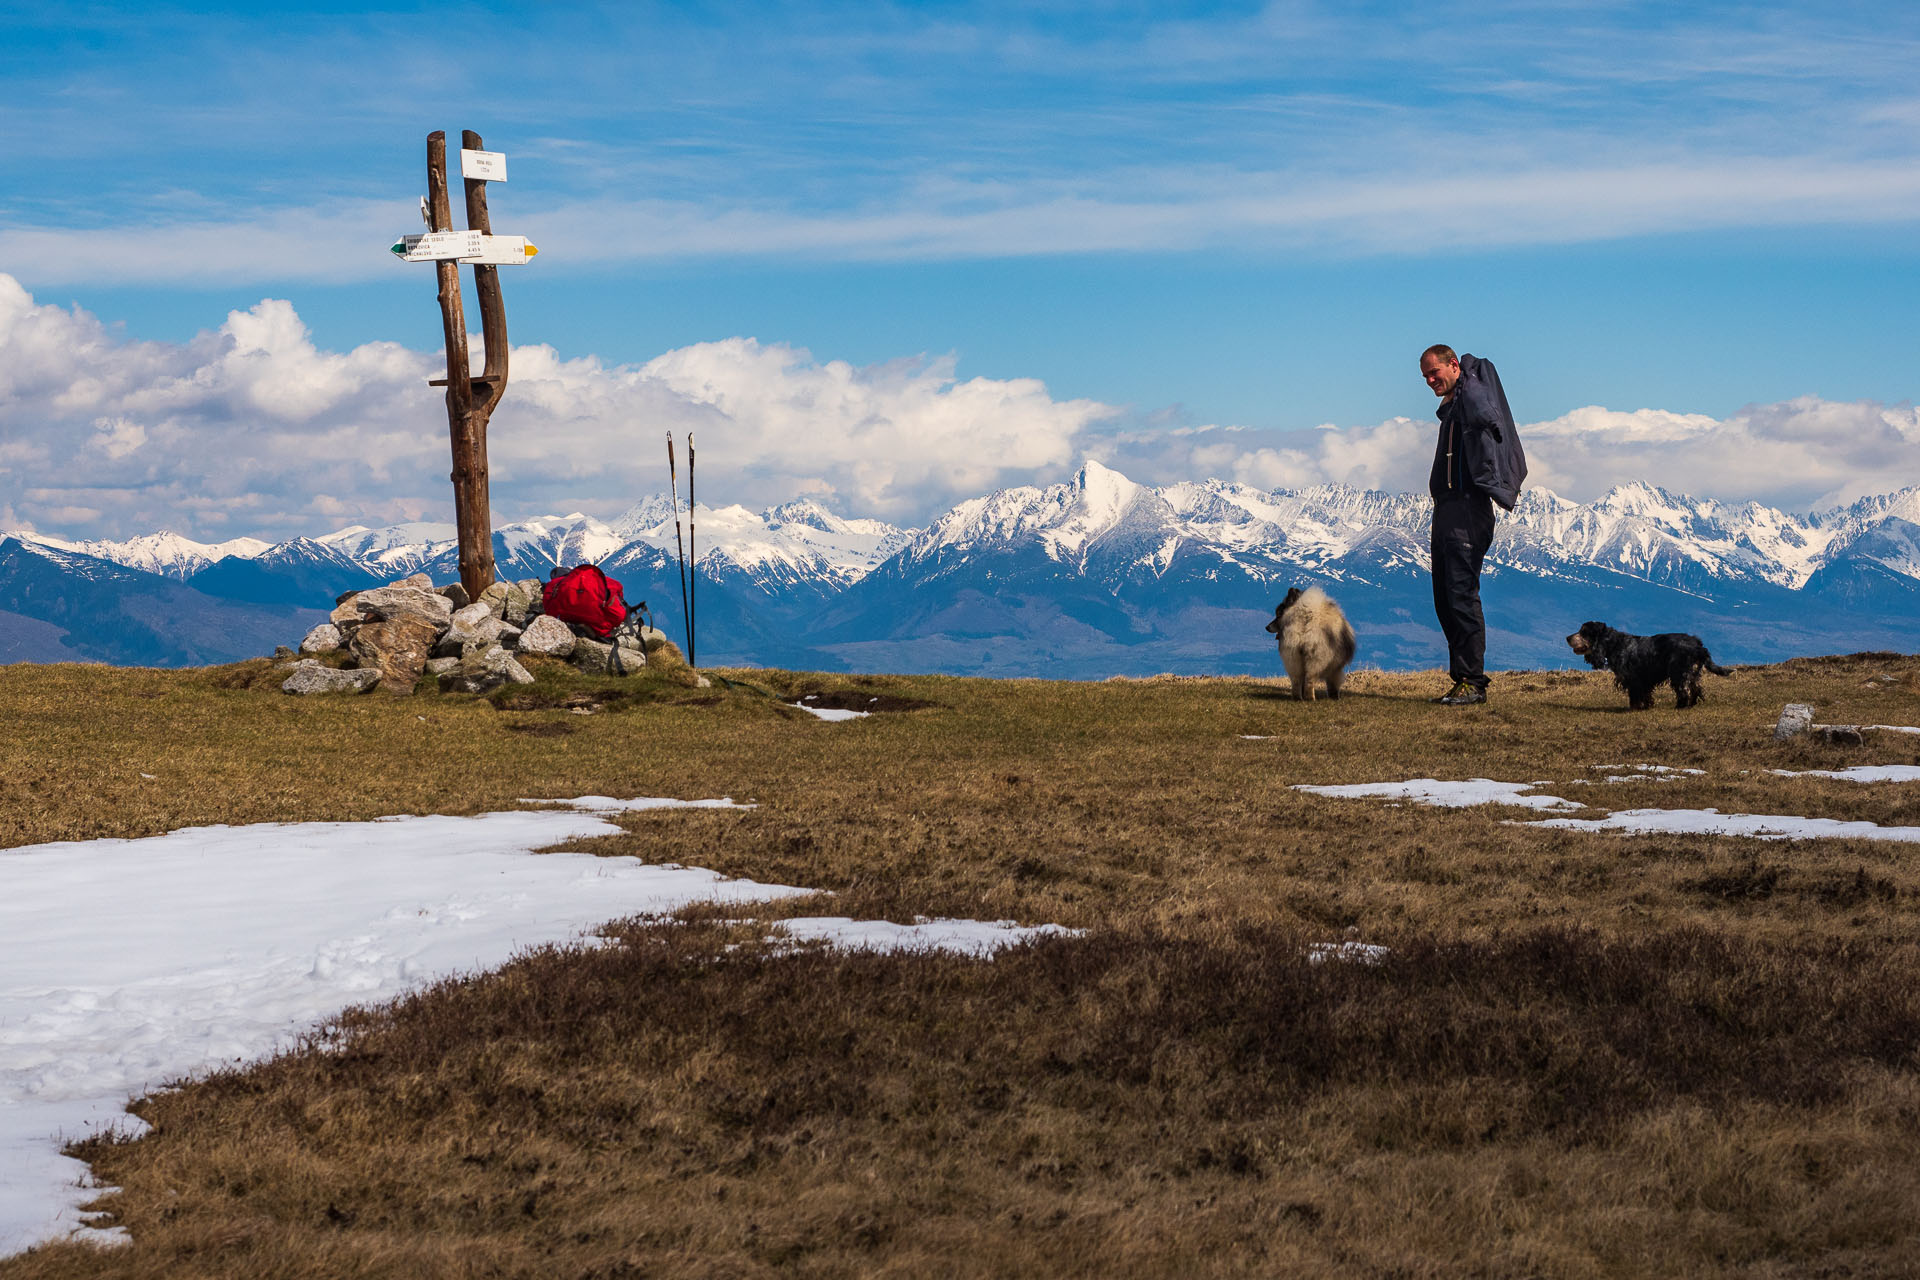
[[1287, 217], [853, 133]]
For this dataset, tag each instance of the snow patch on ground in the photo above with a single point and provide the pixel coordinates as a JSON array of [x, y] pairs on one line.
[[607, 804], [1755, 826], [1859, 773], [129, 964], [969, 937], [830, 713], [1647, 772], [1348, 952], [1451, 795]]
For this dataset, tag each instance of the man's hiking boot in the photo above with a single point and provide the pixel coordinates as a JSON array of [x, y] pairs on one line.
[[1459, 687], [1464, 695]]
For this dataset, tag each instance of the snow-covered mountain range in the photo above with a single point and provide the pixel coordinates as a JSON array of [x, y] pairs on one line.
[[1101, 574]]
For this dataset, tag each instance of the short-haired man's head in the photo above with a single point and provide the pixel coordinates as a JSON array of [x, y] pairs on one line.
[[1440, 369]]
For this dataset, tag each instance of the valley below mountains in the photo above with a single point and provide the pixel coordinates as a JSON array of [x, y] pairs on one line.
[[1094, 577]]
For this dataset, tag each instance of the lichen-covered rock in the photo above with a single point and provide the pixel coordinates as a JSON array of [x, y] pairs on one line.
[[498, 661], [470, 615], [1795, 719], [470, 681], [549, 637], [521, 603], [437, 667], [324, 638], [509, 637], [625, 661], [472, 628], [652, 638], [385, 604], [309, 676], [589, 654], [495, 598], [457, 592], [418, 581], [398, 648], [461, 642], [480, 672]]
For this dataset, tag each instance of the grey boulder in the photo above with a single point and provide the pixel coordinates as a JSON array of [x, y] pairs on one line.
[[388, 604], [324, 638], [309, 676], [547, 636], [397, 648], [589, 655]]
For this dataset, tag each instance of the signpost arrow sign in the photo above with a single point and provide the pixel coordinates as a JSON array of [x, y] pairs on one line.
[[471, 247], [501, 251], [437, 245]]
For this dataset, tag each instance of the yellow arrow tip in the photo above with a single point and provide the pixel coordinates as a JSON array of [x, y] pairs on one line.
[[530, 249]]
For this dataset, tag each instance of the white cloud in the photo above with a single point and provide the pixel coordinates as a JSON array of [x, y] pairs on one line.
[[1290, 212], [251, 428], [117, 437], [1800, 454]]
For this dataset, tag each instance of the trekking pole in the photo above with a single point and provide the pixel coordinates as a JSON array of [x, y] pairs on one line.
[[679, 553], [693, 556]]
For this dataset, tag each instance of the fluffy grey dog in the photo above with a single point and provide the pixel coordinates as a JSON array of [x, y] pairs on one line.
[[1315, 641]]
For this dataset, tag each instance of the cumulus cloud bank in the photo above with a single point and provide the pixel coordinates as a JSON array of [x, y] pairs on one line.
[[1800, 454], [252, 429]]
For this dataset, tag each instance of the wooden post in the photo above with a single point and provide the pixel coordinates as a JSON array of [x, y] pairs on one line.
[[466, 420]]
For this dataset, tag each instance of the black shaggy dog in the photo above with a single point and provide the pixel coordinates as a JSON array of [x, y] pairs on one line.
[[1639, 663]]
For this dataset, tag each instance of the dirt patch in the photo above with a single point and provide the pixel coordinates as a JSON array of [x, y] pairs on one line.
[[548, 700], [540, 728], [859, 700], [1845, 660]]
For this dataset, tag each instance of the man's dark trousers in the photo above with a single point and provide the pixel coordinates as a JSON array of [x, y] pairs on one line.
[[1462, 532]]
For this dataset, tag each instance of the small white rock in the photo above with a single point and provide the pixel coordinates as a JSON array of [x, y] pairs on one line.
[[324, 638]]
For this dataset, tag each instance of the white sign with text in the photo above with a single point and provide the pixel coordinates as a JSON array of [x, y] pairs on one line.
[[487, 166]]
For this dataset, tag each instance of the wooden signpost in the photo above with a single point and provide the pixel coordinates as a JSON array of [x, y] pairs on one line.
[[471, 397]]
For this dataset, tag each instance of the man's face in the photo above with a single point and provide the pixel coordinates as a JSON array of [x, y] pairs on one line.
[[1440, 374]]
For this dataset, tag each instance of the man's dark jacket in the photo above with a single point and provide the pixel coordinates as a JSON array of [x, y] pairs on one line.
[[1476, 429]]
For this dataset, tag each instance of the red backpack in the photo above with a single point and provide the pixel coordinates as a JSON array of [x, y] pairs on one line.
[[585, 596]]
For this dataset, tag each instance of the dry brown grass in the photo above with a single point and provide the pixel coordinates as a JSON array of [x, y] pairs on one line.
[[1585, 1055]]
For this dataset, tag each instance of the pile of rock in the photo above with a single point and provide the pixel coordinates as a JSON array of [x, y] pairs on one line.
[[400, 633]]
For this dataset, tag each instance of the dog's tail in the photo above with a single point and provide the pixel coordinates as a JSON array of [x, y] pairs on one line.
[[1711, 665]]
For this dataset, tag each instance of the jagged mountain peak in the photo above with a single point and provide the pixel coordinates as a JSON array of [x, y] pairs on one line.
[[166, 553], [648, 513], [1102, 488], [805, 512]]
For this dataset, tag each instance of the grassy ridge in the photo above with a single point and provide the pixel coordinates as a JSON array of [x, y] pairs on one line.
[[1584, 1054]]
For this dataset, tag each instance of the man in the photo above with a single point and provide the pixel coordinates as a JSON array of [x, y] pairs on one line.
[[1476, 463]]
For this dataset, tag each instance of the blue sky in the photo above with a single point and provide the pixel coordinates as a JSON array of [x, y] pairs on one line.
[[1239, 218]]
